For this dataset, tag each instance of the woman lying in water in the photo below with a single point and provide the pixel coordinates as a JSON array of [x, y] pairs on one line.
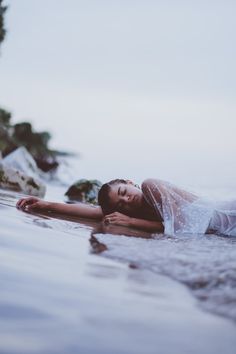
[[121, 202], [157, 206]]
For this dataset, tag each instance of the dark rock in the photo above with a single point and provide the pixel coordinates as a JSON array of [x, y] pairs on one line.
[[13, 179], [84, 191], [23, 135], [47, 164], [18, 171], [37, 145]]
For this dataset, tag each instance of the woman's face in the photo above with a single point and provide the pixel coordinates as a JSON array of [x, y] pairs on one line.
[[125, 197]]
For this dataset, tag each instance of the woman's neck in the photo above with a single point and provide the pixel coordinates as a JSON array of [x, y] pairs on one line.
[[146, 211]]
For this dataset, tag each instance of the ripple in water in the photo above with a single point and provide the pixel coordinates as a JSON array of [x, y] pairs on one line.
[[206, 264]]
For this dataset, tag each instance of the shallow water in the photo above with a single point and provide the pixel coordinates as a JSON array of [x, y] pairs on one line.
[[57, 296], [206, 264]]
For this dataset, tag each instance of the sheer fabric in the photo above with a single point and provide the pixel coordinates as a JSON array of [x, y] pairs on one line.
[[184, 212]]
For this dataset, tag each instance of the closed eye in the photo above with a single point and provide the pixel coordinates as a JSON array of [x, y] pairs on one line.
[[121, 191]]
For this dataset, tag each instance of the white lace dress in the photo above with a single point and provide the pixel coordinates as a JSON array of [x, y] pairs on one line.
[[184, 212]]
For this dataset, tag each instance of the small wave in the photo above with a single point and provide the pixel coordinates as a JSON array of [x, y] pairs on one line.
[[206, 264]]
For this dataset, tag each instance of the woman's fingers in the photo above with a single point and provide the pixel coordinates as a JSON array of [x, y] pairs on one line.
[[117, 219], [21, 204], [20, 201], [26, 202], [31, 207], [114, 219], [111, 216], [109, 219]]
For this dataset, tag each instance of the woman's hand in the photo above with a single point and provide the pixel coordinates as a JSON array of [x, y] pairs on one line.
[[117, 219], [141, 224], [31, 204]]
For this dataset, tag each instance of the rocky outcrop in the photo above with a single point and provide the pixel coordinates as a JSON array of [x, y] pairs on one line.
[[36, 143], [20, 159], [13, 179], [13, 136], [19, 172], [84, 190]]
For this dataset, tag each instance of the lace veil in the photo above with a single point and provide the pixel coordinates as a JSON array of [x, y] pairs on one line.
[[181, 211]]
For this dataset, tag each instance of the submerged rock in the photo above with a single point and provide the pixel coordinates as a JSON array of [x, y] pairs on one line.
[[84, 190], [16, 180]]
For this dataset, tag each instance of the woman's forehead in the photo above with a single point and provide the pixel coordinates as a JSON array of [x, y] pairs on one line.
[[115, 188]]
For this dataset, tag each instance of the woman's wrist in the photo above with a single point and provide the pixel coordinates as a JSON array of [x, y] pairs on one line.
[[146, 225], [49, 206], [132, 222]]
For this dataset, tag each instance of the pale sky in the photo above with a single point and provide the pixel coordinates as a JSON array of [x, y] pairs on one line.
[[139, 88]]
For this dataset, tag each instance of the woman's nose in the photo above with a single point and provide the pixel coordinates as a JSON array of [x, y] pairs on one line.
[[126, 198]]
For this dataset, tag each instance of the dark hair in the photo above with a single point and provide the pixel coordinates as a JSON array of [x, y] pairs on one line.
[[145, 212], [103, 195]]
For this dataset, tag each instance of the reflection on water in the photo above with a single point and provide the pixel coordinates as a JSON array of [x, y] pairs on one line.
[[97, 247]]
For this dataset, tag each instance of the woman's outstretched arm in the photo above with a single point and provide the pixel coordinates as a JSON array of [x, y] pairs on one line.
[[83, 210]]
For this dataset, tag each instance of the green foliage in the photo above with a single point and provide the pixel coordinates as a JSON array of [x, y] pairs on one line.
[[5, 117], [22, 134], [36, 143], [2, 27], [6, 142]]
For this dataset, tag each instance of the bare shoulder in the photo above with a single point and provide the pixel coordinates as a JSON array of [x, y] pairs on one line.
[[151, 190], [150, 182]]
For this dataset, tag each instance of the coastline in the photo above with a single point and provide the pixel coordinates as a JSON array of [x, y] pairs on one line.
[[57, 296]]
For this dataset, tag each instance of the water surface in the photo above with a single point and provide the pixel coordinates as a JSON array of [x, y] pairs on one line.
[[57, 296]]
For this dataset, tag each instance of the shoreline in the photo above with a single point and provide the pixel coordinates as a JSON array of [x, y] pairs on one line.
[[59, 297]]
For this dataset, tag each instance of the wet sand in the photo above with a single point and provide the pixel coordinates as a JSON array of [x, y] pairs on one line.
[[58, 296]]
